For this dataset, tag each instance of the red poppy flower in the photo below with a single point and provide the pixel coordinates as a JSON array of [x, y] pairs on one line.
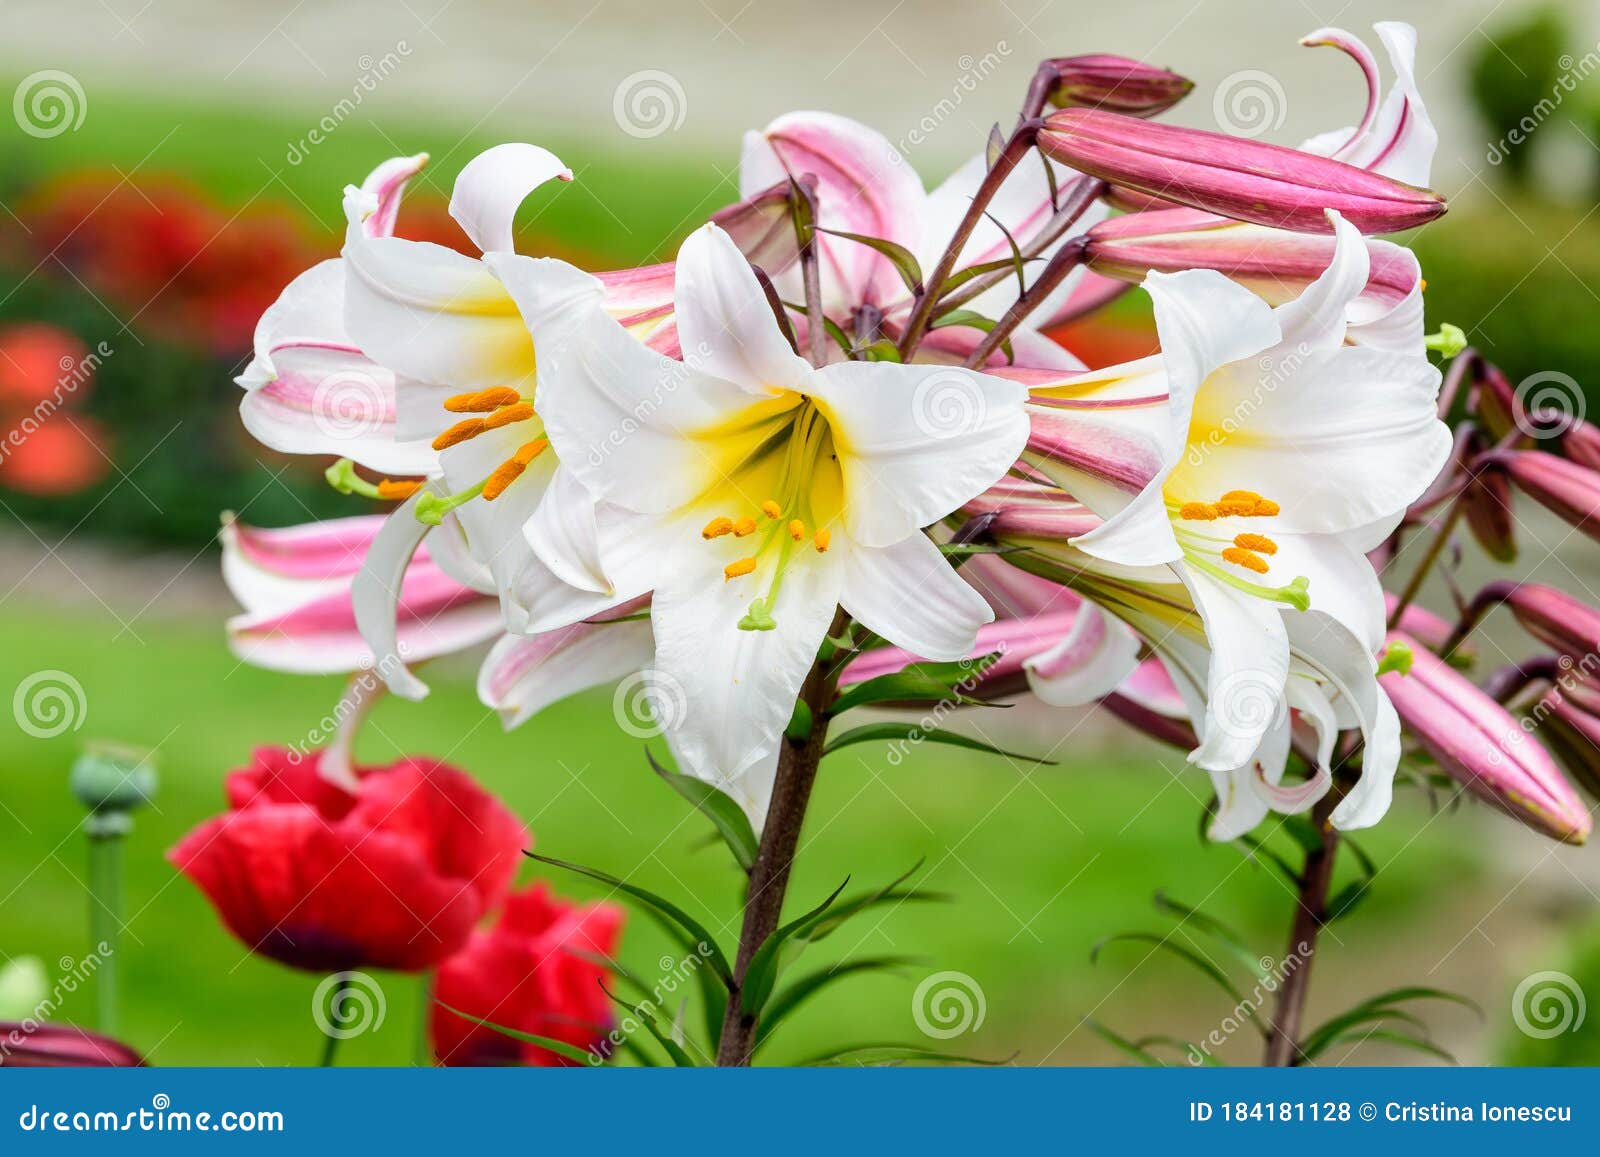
[[527, 973], [39, 1046], [392, 876]]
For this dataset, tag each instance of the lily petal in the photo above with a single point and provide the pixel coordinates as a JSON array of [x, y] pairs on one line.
[[909, 594], [492, 185]]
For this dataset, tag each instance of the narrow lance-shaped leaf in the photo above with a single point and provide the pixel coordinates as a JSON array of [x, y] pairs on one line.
[[702, 941], [762, 972], [913, 733], [904, 261], [560, 1047], [1165, 944], [728, 817], [797, 992]]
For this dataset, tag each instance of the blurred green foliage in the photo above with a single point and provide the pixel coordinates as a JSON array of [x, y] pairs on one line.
[[1513, 69]]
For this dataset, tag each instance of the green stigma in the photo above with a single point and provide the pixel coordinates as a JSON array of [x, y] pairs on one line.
[[431, 508], [1449, 341], [1396, 657], [758, 617], [342, 477]]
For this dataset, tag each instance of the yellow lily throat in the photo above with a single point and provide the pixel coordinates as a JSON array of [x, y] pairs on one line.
[[782, 525], [1243, 550]]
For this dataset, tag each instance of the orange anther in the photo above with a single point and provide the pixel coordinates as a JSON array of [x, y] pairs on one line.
[[481, 401], [460, 432], [717, 527], [1247, 559], [738, 567]]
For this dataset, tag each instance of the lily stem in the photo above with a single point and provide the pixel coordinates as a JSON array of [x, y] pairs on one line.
[[1011, 155], [1065, 260], [1310, 915], [1414, 586], [780, 840]]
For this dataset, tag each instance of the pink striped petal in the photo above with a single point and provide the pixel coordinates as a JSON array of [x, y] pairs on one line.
[[863, 185]]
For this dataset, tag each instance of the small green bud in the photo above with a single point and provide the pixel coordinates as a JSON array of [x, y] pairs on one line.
[[112, 781]]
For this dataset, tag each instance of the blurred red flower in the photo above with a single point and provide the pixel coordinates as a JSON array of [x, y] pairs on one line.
[[61, 456], [36, 359], [393, 876], [526, 973], [26, 1045], [187, 268]]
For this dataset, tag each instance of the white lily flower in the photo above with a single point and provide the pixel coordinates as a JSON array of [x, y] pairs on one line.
[[1278, 456], [754, 494]]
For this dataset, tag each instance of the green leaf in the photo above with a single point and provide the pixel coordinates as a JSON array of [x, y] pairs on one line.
[[1305, 833], [673, 1049], [1186, 1048], [799, 729], [893, 730], [728, 817], [962, 276], [917, 681], [1324, 1035], [1165, 944], [797, 992], [1017, 260], [1122, 1044], [882, 1054], [903, 260], [559, 1047], [825, 924], [1404, 1040], [1214, 928], [994, 146], [762, 972], [1342, 904], [975, 320], [1256, 849], [882, 350], [834, 331], [1420, 992], [701, 942]]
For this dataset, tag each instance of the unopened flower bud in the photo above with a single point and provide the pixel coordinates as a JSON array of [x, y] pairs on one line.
[[111, 782], [1114, 83], [1566, 625], [1480, 745], [1486, 503], [1243, 179], [1568, 490]]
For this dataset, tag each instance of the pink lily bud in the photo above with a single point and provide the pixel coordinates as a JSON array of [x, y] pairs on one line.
[[1581, 443], [1568, 490], [1493, 401], [1566, 625], [762, 226], [1114, 83], [1487, 505], [1276, 264], [1246, 180], [1573, 734], [1483, 747]]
